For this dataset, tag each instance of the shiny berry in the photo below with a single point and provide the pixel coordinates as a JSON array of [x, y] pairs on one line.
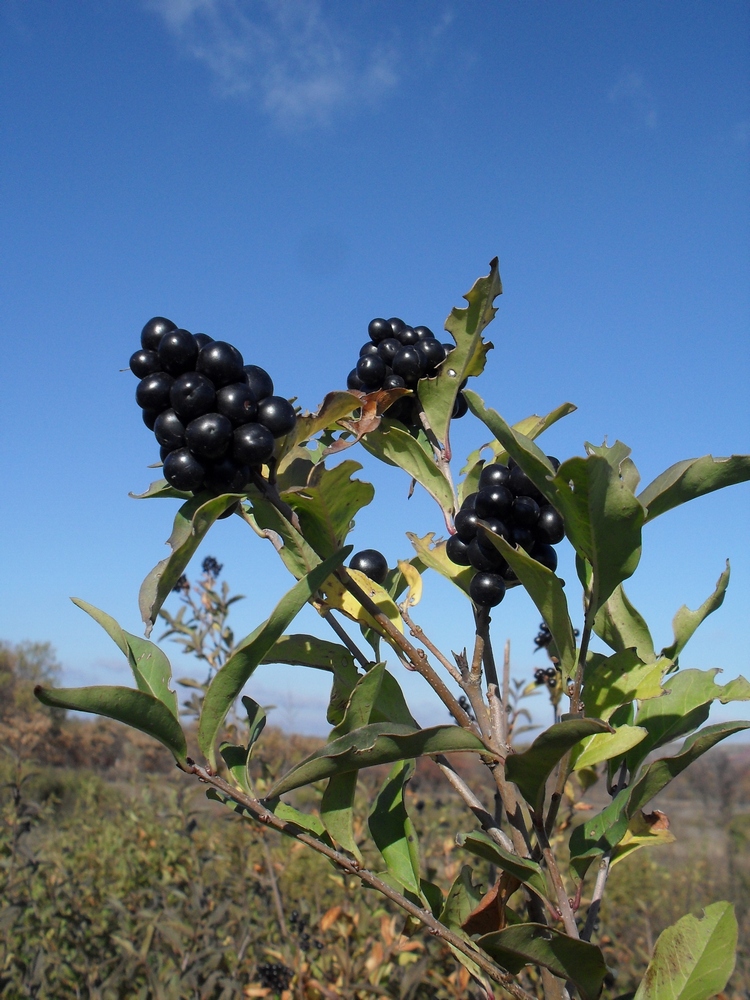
[[466, 524], [169, 430], [388, 349], [260, 382], [491, 526], [277, 414], [192, 395], [379, 329], [470, 502], [424, 333], [154, 330], [493, 501], [396, 325], [226, 476], [153, 392], [434, 351], [494, 475], [460, 407], [409, 363], [368, 348], [371, 371], [408, 336], [221, 363], [545, 554], [554, 462], [523, 537], [393, 382], [372, 563], [149, 418], [178, 352], [144, 363], [457, 551], [209, 436], [202, 339], [550, 527], [487, 589], [525, 512], [184, 471], [252, 444], [237, 402], [354, 382], [483, 559], [521, 485]]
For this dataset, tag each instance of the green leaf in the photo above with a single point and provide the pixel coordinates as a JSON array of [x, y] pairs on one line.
[[336, 810], [392, 830], [525, 870], [612, 681], [546, 591], [327, 504], [379, 743], [305, 821], [232, 677], [236, 757], [603, 521], [684, 706], [530, 769], [151, 668], [334, 407], [391, 443], [463, 898], [434, 556], [135, 708], [599, 833], [256, 721], [536, 944], [622, 627], [605, 746], [320, 654], [438, 395], [686, 621], [297, 555], [692, 478], [191, 524], [161, 488], [694, 958], [659, 773]]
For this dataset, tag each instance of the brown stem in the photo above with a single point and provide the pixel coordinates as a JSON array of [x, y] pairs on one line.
[[418, 632], [488, 822], [269, 492], [506, 691], [482, 619], [563, 903], [258, 810], [596, 900]]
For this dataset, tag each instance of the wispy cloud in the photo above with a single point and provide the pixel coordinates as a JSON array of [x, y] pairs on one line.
[[632, 92], [288, 55]]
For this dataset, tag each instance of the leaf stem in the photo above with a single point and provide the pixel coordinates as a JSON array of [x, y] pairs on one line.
[[563, 903], [347, 640], [488, 823], [418, 632], [596, 900]]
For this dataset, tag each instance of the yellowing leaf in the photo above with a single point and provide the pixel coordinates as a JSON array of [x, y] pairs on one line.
[[414, 581], [644, 830], [338, 597]]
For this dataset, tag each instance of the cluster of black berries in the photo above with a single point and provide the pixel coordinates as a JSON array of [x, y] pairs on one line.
[[372, 563], [546, 676], [215, 417], [510, 506], [305, 941], [273, 976], [397, 356]]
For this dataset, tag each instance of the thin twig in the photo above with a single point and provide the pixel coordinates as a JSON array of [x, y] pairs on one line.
[[418, 632], [506, 691], [482, 619], [563, 903], [260, 812], [350, 644], [488, 823], [596, 899]]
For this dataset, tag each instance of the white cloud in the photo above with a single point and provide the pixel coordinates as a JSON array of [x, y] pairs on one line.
[[632, 91], [285, 54]]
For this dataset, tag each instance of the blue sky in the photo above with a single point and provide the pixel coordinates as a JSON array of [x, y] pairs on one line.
[[278, 173]]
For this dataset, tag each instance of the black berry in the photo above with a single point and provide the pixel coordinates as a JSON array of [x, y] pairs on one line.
[[379, 329], [371, 371], [178, 352], [154, 330], [545, 554], [393, 382], [209, 436], [523, 537], [277, 414], [369, 348], [525, 512], [144, 363], [457, 551], [169, 430], [372, 563], [550, 527], [493, 501], [252, 444], [485, 560], [470, 502], [409, 363], [354, 382], [192, 395], [487, 589], [424, 333], [183, 471], [221, 363], [153, 392], [396, 325], [227, 476], [433, 351], [494, 475], [388, 349], [259, 380], [465, 523], [408, 336], [149, 418], [237, 402], [460, 407], [202, 339]]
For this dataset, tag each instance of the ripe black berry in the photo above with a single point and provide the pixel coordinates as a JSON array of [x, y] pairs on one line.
[[493, 501], [494, 475], [470, 502], [354, 382], [396, 325], [525, 512], [192, 395], [485, 560], [465, 523], [550, 527], [554, 462], [409, 363], [277, 414], [153, 392], [521, 485], [372, 563], [368, 348], [424, 333], [221, 363], [523, 537], [144, 363], [183, 471], [208, 436], [226, 476], [154, 330], [457, 551], [434, 351], [149, 418], [178, 352], [388, 349], [460, 407], [371, 371], [393, 382], [252, 444], [402, 409], [259, 380], [545, 554], [169, 430], [379, 329], [408, 336], [487, 589], [237, 403], [491, 526], [202, 339]]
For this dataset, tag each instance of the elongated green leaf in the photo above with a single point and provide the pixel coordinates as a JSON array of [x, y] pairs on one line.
[[603, 520], [320, 654], [361, 703], [659, 773], [622, 627], [692, 478], [161, 488], [305, 821], [599, 833], [530, 769], [232, 677], [546, 591], [536, 944], [236, 757], [392, 830], [298, 556], [434, 556], [684, 706], [191, 524], [612, 681], [327, 504], [523, 869], [604, 746], [686, 621], [379, 743], [151, 668], [336, 811], [135, 708], [438, 395], [256, 721], [463, 898], [694, 958], [389, 442]]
